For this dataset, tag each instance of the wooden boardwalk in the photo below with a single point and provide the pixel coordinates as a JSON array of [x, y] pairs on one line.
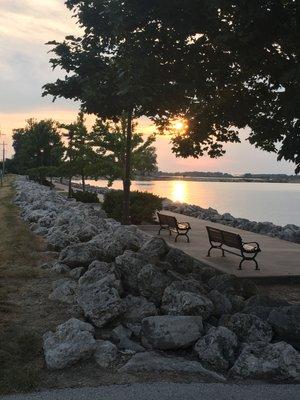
[[278, 258]]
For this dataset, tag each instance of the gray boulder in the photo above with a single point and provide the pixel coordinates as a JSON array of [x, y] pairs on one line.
[[285, 322], [153, 362], [222, 304], [80, 255], [129, 265], [76, 273], [100, 300], [64, 290], [152, 283], [121, 336], [277, 361], [262, 305], [105, 353], [171, 332], [130, 237], [230, 284], [72, 341], [250, 328], [137, 308], [155, 249], [183, 298], [216, 350]]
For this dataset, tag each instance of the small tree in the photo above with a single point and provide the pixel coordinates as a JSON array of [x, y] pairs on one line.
[[79, 153], [109, 141], [37, 145]]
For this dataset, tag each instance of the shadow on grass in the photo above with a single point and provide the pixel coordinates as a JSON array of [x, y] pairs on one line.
[[19, 370]]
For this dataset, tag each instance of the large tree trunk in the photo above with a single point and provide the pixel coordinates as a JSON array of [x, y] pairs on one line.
[[127, 172], [83, 182], [70, 187]]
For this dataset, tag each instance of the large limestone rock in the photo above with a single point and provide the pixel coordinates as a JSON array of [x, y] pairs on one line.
[[64, 290], [152, 283], [138, 308], [186, 298], [155, 249], [153, 362], [285, 322], [130, 237], [171, 332], [216, 350], [250, 328], [80, 255], [222, 304], [262, 305], [105, 353], [129, 265], [279, 362], [100, 300], [231, 285], [72, 341]]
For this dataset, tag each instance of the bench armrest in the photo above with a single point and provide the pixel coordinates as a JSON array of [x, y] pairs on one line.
[[188, 226], [256, 244]]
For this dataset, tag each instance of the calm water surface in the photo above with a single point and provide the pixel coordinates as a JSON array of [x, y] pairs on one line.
[[275, 202]]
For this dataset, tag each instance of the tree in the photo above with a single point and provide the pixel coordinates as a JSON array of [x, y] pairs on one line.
[[79, 153], [239, 67], [109, 141], [37, 145], [114, 69]]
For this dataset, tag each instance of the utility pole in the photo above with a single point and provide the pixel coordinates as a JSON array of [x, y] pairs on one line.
[[3, 159]]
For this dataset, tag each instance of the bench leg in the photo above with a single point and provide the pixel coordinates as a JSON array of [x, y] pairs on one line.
[[208, 253], [240, 264]]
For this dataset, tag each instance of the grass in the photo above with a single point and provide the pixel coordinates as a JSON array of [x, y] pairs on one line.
[[19, 345]]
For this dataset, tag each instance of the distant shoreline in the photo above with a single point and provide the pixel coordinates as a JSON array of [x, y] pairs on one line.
[[206, 179]]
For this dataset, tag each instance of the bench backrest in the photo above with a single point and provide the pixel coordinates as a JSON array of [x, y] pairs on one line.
[[230, 239], [168, 220]]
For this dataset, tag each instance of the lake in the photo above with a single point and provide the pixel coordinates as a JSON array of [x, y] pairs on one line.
[[275, 202]]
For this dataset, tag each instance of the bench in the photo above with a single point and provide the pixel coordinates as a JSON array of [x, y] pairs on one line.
[[218, 238], [170, 223]]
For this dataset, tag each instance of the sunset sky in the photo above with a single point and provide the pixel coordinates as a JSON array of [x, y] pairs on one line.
[[25, 27]]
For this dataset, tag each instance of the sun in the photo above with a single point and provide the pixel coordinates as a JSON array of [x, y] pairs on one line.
[[179, 125]]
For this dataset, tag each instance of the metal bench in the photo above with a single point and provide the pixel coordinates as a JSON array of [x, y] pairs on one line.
[[170, 223], [218, 238]]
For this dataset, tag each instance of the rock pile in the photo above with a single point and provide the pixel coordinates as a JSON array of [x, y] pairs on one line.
[[147, 307]]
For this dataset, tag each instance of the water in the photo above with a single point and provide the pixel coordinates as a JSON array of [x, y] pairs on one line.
[[275, 202]]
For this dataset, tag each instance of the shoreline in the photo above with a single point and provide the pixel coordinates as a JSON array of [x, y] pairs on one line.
[[288, 232]]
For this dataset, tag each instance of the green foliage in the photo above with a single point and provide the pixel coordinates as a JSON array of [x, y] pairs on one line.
[[85, 197], [109, 141], [142, 206], [37, 145], [79, 155], [40, 174], [221, 65]]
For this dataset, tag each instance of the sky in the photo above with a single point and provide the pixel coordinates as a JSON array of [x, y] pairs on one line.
[[25, 27]]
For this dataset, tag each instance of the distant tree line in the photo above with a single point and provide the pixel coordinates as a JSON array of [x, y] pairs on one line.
[[47, 148]]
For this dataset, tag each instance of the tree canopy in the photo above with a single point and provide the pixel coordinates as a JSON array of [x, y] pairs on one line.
[[37, 145]]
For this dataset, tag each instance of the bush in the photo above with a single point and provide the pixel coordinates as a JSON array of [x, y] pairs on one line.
[[142, 206], [85, 197]]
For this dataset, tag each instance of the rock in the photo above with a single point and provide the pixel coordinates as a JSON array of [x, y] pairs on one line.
[[60, 268], [216, 350], [285, 322], [171, 332], [64, 290], [155, 249], [250, 328], [277, 361], [72, 341], [237, 302], [228, 217], [153, 362], [180, 261], [100, 300], [138, 308], [76, 273], [105, 353], [152, 283], [121, 336], [183, 298], [222, 305], [96, 271], [230, 284], [262, 305], [130, 237], [80, 255], [129, 265]]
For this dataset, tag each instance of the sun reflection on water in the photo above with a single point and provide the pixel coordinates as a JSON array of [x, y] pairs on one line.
[[179, 191]]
